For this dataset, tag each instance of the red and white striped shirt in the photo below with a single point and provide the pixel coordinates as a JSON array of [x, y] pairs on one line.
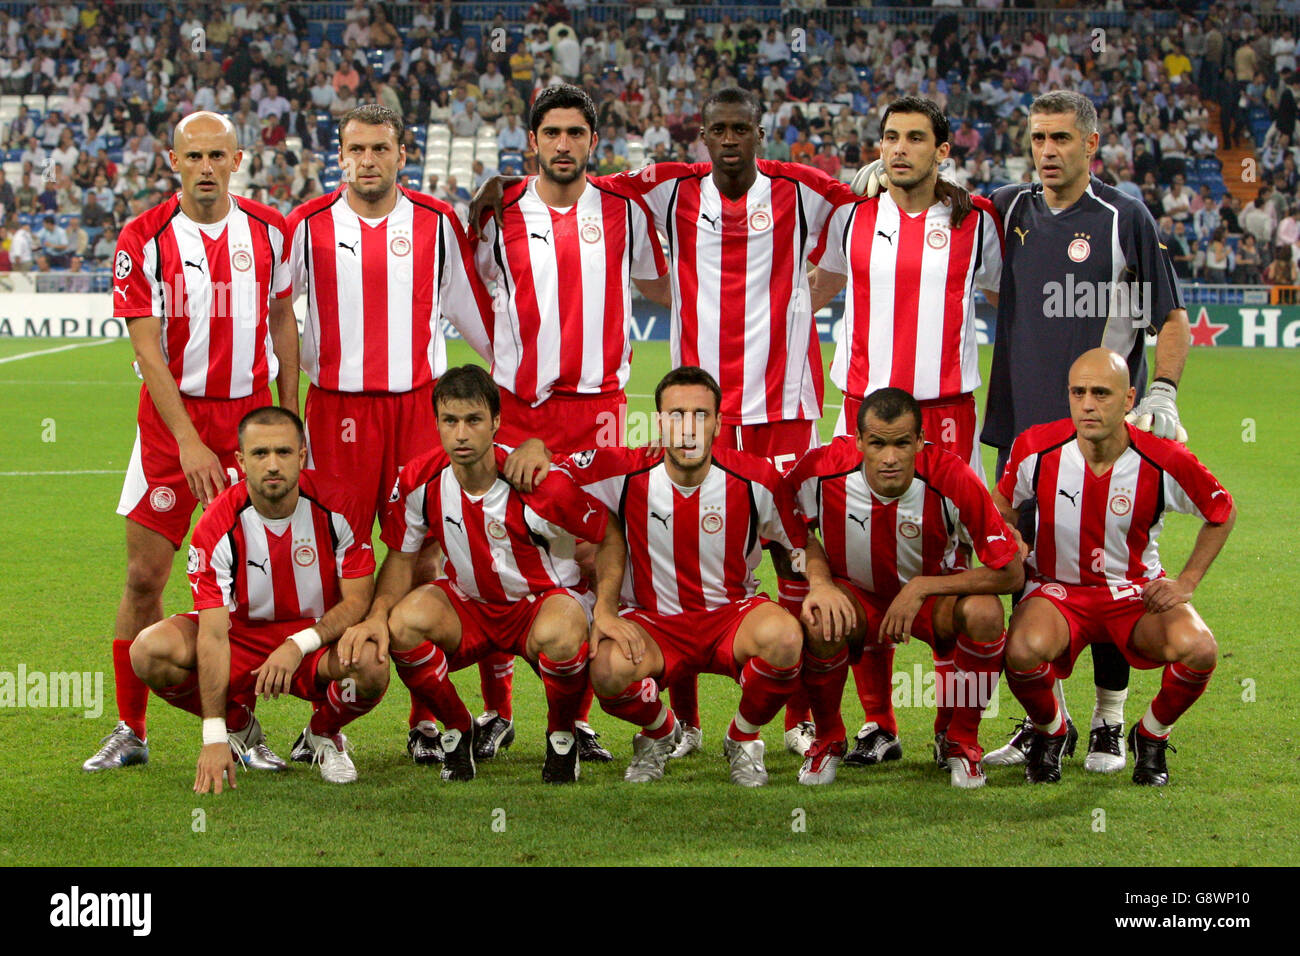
[[276, 569], [564, 286], [501, 546], [690, 549], [909, 305], [881, 543], [378, 289], [741, 305], [212, 286], [1102, 530]]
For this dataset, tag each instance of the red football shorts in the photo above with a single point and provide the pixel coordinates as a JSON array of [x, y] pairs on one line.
[[874, 607], [566, 423], [155, 493], [250, 645], [781, 443], [491, 628], [696, 642], [358, 441], [950, 423], [1095, 616]]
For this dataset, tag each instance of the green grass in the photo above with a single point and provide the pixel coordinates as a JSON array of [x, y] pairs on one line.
[[1235, 778]]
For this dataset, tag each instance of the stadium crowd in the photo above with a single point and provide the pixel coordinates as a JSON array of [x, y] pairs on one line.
[[118, 77]]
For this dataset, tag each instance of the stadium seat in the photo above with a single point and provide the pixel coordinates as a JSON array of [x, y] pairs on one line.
[[56, 102], [510, 164], [35, 101], [10, 102]]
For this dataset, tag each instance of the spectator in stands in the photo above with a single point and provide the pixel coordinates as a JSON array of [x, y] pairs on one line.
[[345, 76], [1247, 271], [1177, 202], [467, 122], [344, 102], [52, 242], [455, 191], [21, 248], [610, 162], [1282, 270], [1259, 218], [1218, 258], [78, 238], [802, 150], [8, 201], [827, 160], [851, 151]]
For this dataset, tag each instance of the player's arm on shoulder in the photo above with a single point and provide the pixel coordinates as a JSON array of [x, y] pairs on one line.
[[824, 286], [213, 652], [528, 465], [284, 340], [486, 203], [659, 291], [201, 466]]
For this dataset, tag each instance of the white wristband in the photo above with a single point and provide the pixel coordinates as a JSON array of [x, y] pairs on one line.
[[214, 730], [307, 640]]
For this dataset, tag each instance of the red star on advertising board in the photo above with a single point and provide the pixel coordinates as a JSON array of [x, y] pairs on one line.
[[1205, 332]]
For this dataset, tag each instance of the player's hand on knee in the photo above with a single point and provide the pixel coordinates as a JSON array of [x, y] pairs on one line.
[[830, 607], [375, 631], [215, 762], [1165, 593], [1021, 544], [626, 636], [870, 179], [202, 470], [897, 624], [527, 465], [275, 675]]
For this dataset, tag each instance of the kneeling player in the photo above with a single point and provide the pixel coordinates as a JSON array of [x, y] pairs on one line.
[[512, 584], [278, 575], [694, 516], [893, 512], [1103, 489]]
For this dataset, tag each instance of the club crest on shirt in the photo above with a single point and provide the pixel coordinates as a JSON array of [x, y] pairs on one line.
[[936, 238], [241, 259], [590, 231], [1054, 590], [122, 265], [304, 555], [497, 530], [760, 219], [711, 523], [400, 246], [1079, 248], [162, 499], [1120, 504], [909, 529]]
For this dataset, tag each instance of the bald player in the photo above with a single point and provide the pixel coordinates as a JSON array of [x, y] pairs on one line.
[[1103, 488], [201, 284]]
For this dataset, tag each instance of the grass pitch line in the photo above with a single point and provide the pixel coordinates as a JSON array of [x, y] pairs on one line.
[[45, 474], [61, 348]]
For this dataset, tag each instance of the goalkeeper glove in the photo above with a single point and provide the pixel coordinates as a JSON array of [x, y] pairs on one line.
[[1158, 412], [870, 179]]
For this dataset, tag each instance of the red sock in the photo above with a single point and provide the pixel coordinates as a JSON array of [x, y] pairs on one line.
[[1180, 686], [424, 670], [874, 675], [943, 685], [420, 712], [132, 693], [1034, 691], [565, 683], [790, 594], [337, 711], [685, 696], [584, 712], [496, 679], [823, 681], [975, 677], [639, 704], [764, 689]]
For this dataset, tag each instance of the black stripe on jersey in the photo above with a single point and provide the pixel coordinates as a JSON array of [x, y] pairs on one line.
[[803, 216], [848, 227], [306, 236], [627, 480], [1160, 487], [672, 211], [329, 516], [157, 266], [497, 244], [1038, 461], [627, 217], [821, 479], [752, 539]]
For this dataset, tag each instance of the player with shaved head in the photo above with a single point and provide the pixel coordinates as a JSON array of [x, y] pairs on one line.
[[201, 284], [1103, 489]]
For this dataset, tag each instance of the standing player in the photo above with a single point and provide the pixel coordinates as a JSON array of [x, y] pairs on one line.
[[1103, 488], [512, 583], [693, 515], [1083, 268], [911, 266], [278, 575], [380, 265], [894, 511], [201, 284], [564, 259]]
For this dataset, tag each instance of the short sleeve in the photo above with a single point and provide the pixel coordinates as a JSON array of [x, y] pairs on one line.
[[133, 290]]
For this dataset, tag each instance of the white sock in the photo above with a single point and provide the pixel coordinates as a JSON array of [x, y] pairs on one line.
[[1110, 706], [1153, 726], [1058, 689], [1053, 728]]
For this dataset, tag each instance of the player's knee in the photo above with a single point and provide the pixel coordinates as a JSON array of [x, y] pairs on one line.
[[562, 632], [1022, 652], [610, 671], [1201, 650], [370, 675], [146, 651], [780, 641], [410, 623], [982, 618], [145, 578]]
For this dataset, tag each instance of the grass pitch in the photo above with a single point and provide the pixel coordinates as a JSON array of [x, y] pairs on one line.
[[69, 419]]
